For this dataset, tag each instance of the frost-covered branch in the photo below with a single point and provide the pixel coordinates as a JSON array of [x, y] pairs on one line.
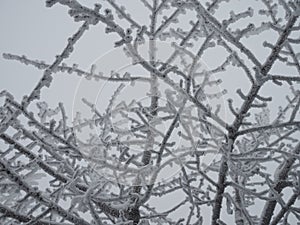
[[196, 127]]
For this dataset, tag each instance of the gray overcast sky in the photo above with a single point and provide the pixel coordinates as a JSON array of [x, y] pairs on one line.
[[29, 28]]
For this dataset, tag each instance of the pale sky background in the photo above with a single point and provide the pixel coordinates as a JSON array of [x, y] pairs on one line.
[[29, 28]]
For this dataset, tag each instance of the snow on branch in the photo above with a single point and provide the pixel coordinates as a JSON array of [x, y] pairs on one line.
[[196, 120]]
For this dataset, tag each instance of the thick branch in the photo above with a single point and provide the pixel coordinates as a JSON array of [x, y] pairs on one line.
[[282, 176]]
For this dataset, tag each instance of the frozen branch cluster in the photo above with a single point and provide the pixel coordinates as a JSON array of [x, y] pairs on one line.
[[49, 176]]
